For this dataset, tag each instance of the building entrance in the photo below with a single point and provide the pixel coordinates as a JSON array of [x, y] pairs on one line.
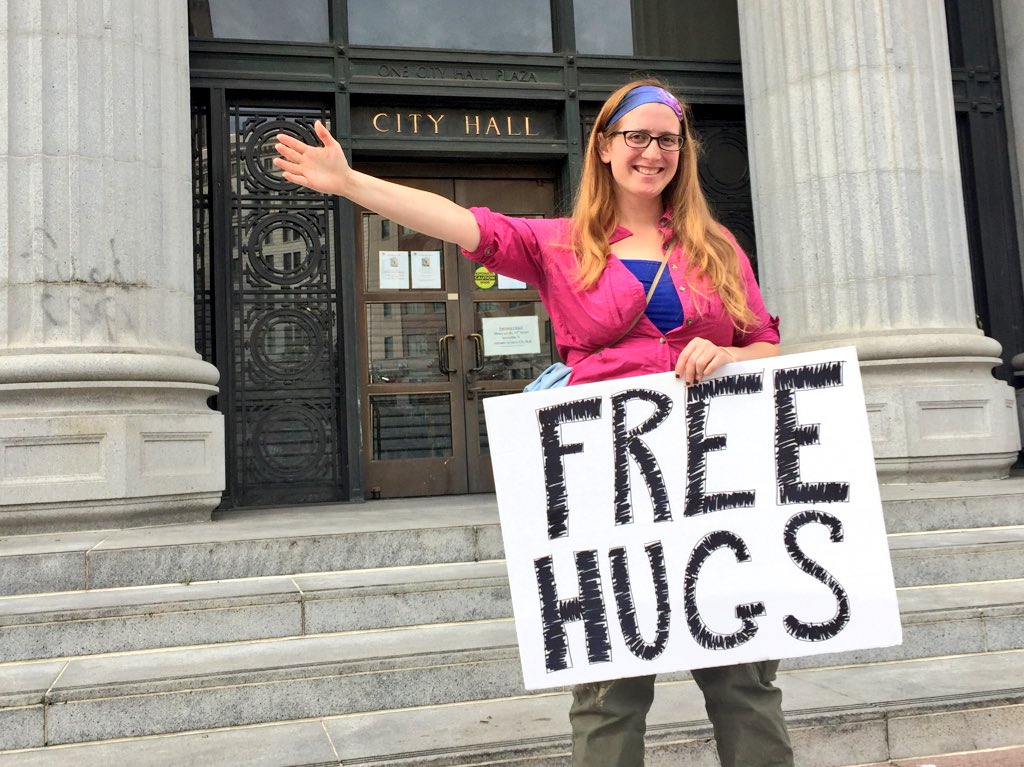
[[440, 334]]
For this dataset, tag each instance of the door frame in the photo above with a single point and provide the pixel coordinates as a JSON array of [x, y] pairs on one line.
[[462, 476]]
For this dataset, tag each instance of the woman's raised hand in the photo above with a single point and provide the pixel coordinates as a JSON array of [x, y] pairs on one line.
[[325, 169], [320, 168]]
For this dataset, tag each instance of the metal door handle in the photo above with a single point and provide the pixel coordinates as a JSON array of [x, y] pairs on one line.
[[442, 354], [478, 345]]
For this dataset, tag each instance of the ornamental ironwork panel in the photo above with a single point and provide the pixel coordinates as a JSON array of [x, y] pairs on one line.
[[725, 177], [284, 380]]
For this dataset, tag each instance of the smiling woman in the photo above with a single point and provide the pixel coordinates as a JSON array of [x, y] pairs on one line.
[[639, 199]]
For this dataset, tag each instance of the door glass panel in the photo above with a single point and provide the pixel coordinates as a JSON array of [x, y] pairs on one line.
[[485, 446], [604, 26], [515, 339], [480, 25], [299, 21], [398, 258], [694, 30], [410, 426], [403, 341]]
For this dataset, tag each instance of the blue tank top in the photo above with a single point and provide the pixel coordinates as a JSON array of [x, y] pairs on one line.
[[665, 310]]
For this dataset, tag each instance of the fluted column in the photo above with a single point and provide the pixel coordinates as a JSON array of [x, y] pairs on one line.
[[860, 222], [103, 400]]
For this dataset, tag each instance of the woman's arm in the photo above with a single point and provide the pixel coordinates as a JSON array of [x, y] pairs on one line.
[[702, 357], [325, 169]]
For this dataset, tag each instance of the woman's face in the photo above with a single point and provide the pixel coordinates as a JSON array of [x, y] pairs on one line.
[[642, 172]]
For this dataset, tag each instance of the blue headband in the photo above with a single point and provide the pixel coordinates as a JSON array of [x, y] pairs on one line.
[[645, 94]]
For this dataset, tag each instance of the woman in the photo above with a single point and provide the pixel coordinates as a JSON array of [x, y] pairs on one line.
[[639, 204]]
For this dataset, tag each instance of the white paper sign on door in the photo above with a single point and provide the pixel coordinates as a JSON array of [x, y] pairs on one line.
[[510, 283], [511, 335], [394, 269], [426, 269], [651, 526]]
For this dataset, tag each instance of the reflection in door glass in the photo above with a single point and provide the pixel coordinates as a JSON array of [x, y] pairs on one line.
[[398, 258], [410, 426], [485, 445], [403, 342], [301, 21], [482, 25]]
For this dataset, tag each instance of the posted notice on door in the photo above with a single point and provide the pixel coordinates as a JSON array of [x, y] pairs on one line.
[[510, 335], [651, 526]]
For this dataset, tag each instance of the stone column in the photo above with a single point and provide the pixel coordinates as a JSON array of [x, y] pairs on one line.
[[104, 419], [860, 223]]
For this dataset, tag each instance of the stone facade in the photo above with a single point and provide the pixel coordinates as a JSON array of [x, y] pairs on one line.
[[103, 400], [861, 230], [104, 418]]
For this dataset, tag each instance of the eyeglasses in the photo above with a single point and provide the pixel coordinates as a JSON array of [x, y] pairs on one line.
[[638, 139]]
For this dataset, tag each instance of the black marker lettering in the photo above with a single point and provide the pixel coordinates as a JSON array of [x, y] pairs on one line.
[[628, 443], [816, 632], [551, 418], [627, 609], [790, 435], [698, 399], [706, 638], [587, 607]]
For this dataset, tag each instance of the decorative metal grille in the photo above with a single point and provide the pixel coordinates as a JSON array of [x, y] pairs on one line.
[[725, 178], [284, 379]]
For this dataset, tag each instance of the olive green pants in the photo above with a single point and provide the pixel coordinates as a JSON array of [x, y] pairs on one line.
[[745, 708]]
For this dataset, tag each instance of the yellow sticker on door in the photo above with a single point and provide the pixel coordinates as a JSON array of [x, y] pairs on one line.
[[484, 278]]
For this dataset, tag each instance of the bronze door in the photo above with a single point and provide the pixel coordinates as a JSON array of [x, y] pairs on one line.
[[439, 335]]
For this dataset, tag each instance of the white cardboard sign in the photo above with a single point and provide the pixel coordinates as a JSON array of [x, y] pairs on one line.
[[653, 527]]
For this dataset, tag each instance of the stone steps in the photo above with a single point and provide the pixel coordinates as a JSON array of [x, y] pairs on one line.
[[132, 694], [145, 617], [379, 634], [255, 544], [838, 716], [389, 534], [944, 619], [129, 694]]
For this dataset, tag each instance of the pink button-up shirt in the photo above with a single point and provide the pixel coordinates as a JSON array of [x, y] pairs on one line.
[[587, 323]]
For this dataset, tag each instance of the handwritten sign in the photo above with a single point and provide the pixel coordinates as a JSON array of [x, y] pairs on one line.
[[510, 335], [653, 527]]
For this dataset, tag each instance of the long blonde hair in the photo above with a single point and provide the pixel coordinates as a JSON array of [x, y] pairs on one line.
[[713, 263]]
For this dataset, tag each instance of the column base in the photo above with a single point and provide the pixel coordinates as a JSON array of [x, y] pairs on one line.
[[92, 453], [107, 514]]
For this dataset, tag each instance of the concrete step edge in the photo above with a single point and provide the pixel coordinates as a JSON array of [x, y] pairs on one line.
[[82, 604], [976, 616], [92, 567], [534, 729], [122, 601], [145, 671]]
